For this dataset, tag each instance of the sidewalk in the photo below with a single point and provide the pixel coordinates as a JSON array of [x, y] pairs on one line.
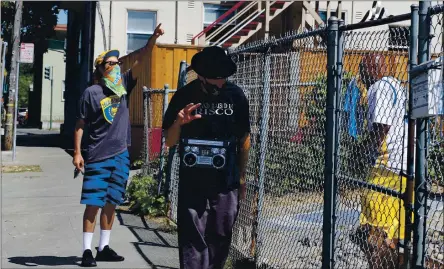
[[42, 217]]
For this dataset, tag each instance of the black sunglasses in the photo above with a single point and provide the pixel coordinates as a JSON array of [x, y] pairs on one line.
[[113, 63]]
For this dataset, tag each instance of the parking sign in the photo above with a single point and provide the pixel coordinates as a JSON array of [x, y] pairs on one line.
[[27, 53]]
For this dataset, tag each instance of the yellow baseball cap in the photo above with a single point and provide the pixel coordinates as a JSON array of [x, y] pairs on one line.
[[105, 55]]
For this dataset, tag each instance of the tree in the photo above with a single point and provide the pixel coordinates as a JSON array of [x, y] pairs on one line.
[[39, 20], [25, 79]]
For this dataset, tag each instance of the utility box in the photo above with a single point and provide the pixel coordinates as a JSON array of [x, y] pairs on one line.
[[427, 89]]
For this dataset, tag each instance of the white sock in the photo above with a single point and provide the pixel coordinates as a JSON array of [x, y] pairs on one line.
[[104, 238], [87, 239]]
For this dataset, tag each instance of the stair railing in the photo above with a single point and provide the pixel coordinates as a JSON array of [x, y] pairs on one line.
[[236, 28], [247, 20], [257, 5], [218, 20]]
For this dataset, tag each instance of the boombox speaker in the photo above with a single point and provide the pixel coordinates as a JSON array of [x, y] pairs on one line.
[[214, 154]]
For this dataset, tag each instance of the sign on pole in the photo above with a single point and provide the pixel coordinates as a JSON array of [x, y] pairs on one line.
[[27, 53]]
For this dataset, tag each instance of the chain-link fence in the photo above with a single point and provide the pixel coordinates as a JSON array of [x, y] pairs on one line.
[[332, 178], [285, 83], [372, 146], [435, 148]]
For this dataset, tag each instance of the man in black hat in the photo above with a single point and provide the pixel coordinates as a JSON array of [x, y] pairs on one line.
[[210, 111]]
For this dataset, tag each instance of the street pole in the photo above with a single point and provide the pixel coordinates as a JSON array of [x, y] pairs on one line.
[[420, 202], [10, 117], [50, 109], [4, 48], [14, 141]]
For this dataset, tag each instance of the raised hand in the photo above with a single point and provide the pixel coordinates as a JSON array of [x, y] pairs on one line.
[[185, 116], [158, 31]]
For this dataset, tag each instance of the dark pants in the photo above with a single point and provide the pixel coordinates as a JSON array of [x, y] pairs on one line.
[[207, 211]]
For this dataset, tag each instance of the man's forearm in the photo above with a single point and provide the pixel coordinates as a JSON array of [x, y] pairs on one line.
[[147, 48], [243, 155], [78, 133], [141, 57], [172, 135]]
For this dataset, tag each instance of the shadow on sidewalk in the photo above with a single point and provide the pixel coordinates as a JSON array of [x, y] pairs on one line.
[[39, 138], [45, 261], [158, 249]]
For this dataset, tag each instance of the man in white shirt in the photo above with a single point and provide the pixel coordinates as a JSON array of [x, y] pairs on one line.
[[382, 219]]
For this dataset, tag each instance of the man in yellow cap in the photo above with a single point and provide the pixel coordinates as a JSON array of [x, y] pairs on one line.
[[103, 107]]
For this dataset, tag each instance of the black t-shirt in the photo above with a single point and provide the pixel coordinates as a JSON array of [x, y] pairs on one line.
[[107, 117], [224, 115]]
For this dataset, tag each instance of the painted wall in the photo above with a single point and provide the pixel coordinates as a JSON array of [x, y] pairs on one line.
[[355, 10], [190, 22], [54, 58]]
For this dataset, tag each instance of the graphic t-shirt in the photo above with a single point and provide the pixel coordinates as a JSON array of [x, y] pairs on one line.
[[224, 116], [107, 118], [387, 105]]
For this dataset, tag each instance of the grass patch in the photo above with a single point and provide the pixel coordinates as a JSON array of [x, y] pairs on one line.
[[21, 168]]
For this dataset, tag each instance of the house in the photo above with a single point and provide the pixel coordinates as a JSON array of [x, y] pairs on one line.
[[53, 96], [127, 25], [251, 20]]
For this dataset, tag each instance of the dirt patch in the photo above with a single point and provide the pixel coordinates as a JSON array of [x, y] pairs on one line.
[[163, 224], [21, 168], [296, 203]]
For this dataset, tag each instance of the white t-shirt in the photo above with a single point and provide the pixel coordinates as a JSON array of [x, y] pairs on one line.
[[387, 101]]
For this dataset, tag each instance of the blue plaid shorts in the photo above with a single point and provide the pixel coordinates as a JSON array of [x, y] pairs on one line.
[[105, 181]]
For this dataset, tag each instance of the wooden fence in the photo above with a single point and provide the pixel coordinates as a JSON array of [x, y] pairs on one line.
[[161, 68]]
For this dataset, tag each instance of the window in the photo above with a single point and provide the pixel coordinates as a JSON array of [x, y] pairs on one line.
[[141, 25], [323, 15], [213, 11]]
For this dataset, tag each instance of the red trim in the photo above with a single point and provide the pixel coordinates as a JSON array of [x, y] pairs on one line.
[[223, 16]]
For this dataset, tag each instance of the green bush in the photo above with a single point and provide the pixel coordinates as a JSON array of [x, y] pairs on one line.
[[142, 192]]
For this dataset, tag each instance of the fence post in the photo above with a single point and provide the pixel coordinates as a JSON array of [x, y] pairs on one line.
[[166, 92], [420, 180], [182, 81], [408, 197], [146, 135], [330, 122], [263, 138], [340, 51]]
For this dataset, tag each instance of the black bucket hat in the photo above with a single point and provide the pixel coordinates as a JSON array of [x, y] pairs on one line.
[[213, 63]]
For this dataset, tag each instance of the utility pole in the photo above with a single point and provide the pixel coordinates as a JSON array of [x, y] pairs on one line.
[[13, 79]]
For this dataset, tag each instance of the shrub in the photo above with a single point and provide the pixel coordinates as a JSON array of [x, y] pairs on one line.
[[142, 192]]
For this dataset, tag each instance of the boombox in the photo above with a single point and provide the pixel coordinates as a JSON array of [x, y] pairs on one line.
[[215, 154]]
